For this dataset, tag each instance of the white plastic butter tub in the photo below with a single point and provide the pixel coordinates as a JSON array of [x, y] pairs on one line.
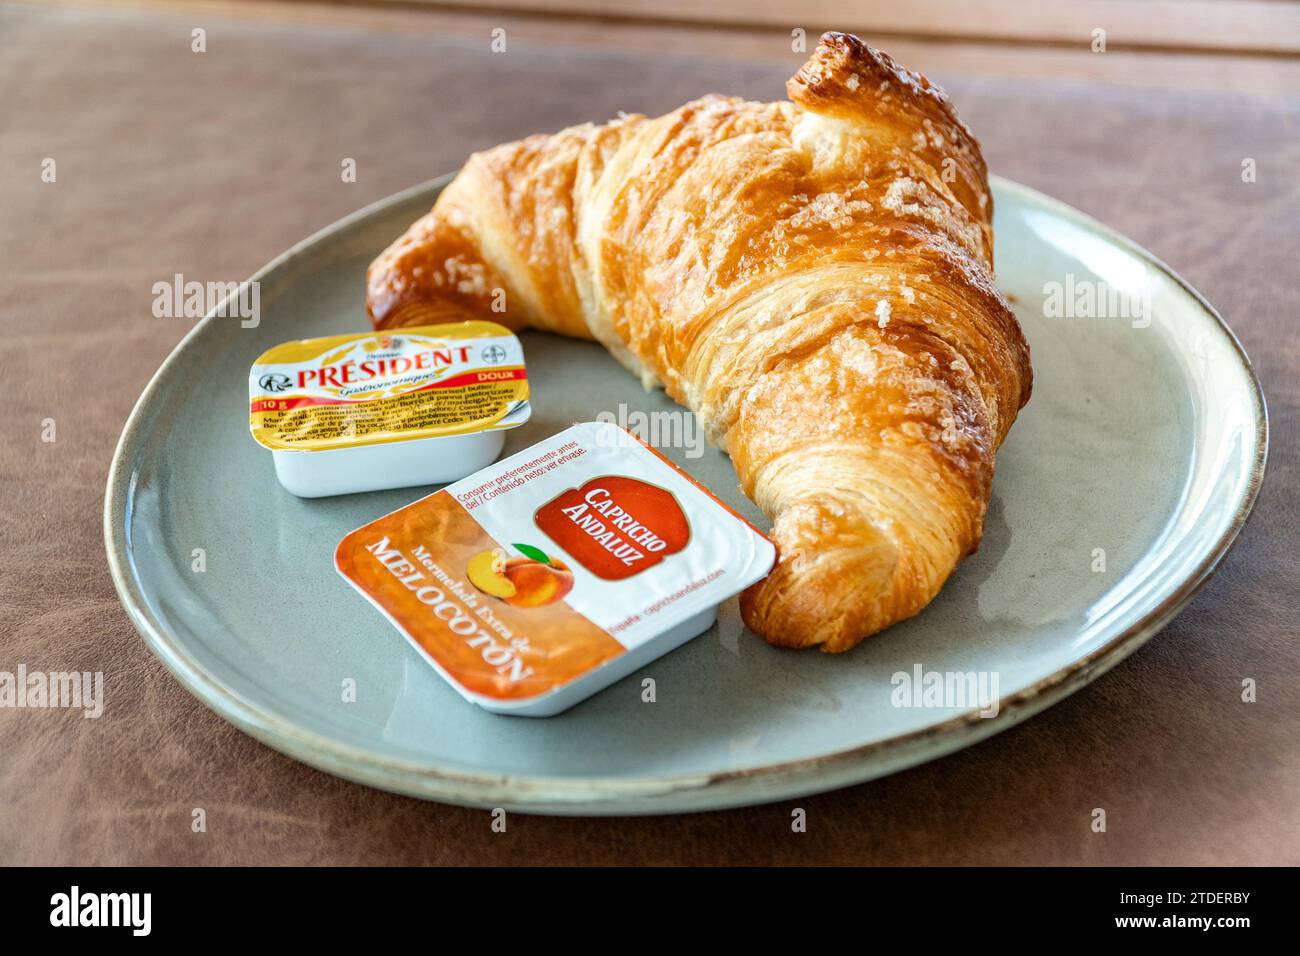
[[548, 576], [364, 412]]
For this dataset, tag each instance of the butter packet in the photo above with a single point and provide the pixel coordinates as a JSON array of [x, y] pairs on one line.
[[548, 576], [421, 405]]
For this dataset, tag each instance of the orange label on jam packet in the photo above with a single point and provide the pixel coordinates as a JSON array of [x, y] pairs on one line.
[[496, 625], [616, 527]]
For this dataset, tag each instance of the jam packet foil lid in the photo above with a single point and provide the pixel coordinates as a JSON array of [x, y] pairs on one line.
[[547, 566], [426, 381]]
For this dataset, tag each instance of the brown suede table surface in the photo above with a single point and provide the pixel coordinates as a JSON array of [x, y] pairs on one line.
[[208, 165]]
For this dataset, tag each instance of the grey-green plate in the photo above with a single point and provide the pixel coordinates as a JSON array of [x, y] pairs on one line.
[[1142, 450]]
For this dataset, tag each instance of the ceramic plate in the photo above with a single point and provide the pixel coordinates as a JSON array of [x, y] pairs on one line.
[[1121, 486]]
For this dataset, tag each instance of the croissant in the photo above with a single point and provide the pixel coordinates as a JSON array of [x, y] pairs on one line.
[[813, 279]]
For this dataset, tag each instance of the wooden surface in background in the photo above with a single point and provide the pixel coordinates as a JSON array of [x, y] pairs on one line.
[[1239, 25], [1062, 52]]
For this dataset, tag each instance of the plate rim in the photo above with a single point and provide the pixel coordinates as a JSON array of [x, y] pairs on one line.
[[674, 793]]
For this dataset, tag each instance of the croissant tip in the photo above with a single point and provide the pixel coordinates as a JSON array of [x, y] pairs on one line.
[[845, 72], [847, 42]]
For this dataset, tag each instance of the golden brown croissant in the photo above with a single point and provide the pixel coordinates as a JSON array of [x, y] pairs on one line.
[[813, 279]]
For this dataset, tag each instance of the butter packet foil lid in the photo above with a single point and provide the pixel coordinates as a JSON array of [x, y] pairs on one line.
[[552, 565], [369, 388]]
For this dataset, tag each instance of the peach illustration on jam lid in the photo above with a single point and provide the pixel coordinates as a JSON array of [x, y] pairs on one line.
[[486, 571], [530, 580]]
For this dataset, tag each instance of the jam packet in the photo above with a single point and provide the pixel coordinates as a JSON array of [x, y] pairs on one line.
[[547, 576]]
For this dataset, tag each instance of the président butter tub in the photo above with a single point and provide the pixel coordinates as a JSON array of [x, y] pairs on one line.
[[373, 410]]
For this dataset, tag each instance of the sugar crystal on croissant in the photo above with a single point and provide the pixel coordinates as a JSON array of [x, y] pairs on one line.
[[812, 278]]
